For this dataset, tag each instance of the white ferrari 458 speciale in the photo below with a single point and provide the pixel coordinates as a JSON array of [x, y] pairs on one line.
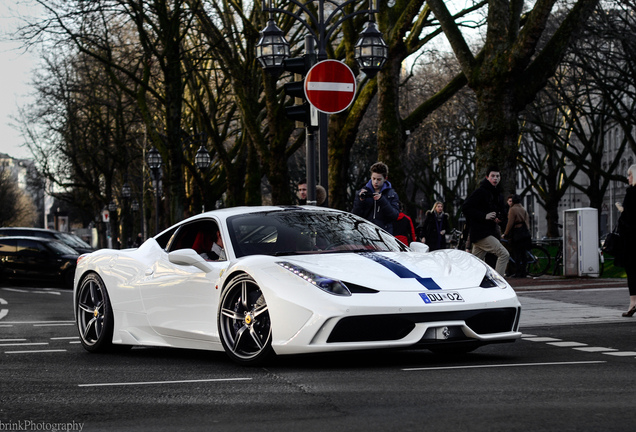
[[257, 281]]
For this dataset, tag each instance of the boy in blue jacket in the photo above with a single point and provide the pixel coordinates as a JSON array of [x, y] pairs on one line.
[[377, 201]]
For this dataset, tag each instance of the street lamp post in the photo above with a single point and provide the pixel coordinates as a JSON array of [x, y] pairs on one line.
[[154, 163], [126, 192], [371, 52], [112, 209], [134, 207], [203, 161]]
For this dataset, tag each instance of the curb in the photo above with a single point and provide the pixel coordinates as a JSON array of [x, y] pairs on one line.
[[547, 283]]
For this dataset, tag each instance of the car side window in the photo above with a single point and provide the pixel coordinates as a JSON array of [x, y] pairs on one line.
[[8, 246], [164, 239], [29, 247], [197, 235]]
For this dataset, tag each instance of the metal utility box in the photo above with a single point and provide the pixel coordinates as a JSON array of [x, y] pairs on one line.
[[580, 242]]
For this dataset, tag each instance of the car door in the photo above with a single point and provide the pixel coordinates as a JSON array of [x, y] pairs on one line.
[[8, 257], [181, 300], [36, 262]]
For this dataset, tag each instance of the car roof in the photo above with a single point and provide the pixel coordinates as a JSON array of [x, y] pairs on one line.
[[29, 229], [44, 239], [225, 213]]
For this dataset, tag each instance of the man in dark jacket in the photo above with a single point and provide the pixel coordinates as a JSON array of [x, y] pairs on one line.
[[484, 210], [301, 192], [377, 201]]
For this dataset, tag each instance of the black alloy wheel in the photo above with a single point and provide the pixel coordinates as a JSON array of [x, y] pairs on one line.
[[244, 322], [94, 315]]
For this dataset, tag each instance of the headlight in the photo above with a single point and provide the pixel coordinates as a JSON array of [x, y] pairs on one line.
[[493, 279], [326, 284]]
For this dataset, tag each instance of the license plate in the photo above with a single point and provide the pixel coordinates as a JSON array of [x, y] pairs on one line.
[[441, 297]]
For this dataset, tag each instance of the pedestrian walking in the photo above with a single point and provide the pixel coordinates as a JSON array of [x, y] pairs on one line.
[[627, 231], [403, 228], [484, 209], [435, 227], [518, 234]]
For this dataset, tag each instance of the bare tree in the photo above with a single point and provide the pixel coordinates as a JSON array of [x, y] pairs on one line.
[[510, 69], [82, 131], [589, 96], [17, 207]]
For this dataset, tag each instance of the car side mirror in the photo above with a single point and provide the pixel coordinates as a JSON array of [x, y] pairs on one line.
[[419, 247], [189, 257]]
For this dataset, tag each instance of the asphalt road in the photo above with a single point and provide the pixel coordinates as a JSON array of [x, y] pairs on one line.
[[561, 376]]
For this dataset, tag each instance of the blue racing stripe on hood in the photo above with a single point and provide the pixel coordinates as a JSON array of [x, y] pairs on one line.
[[400, 270]]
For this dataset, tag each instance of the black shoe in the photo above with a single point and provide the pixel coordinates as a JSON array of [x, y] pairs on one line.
[[630, 312]]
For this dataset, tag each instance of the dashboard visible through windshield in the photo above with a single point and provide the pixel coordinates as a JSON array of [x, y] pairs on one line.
[[289, 232]]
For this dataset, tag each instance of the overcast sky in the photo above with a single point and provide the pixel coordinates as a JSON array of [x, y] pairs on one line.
[[15, 75]]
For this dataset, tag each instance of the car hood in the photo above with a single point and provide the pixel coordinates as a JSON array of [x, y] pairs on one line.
[[397, 271], [82, 250]]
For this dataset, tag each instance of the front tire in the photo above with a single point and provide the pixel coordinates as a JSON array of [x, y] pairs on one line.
[[244, 323], [94, 315]]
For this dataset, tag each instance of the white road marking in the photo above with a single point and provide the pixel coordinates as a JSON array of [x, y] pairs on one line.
[[35, 351], [163, 382], [53, 324], [595, 349], [12, 340], [24, 344], [503, 365], [567, 344], [45, 291], [63, 338], [3, 313], [542, 339], [3, 301], [37, 322], [621, 353]]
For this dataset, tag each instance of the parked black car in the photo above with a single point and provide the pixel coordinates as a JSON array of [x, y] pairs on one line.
[[36, 258], [69, 239]]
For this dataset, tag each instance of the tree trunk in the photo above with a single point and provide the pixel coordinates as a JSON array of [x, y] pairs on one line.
[[390, 141], [497, 134]]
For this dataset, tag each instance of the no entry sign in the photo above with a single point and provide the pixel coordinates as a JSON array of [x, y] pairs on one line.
[[330, 86]]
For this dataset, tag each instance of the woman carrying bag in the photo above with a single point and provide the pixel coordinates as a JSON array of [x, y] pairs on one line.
[[518, 233], [627, 232]]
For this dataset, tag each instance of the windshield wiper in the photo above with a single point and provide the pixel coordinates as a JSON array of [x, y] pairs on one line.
[[351, 250], [314, 252], [289, 252]]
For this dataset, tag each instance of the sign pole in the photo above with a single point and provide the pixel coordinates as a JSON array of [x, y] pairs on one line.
[[323, 156], [310, 137]]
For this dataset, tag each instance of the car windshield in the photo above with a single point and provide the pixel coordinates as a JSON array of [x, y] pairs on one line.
[[289, 232], [60, 248], [73, 240]]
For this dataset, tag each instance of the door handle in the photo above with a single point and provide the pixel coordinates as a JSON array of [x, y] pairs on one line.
[[149, 271]]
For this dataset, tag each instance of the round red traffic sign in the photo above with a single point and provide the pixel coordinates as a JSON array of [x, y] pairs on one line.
[[330, 86]]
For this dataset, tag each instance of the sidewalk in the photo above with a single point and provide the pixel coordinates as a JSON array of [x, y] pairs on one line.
[[545, 301], [547, 283]]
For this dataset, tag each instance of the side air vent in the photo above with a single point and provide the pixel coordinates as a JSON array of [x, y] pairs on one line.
[[359, 289]]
